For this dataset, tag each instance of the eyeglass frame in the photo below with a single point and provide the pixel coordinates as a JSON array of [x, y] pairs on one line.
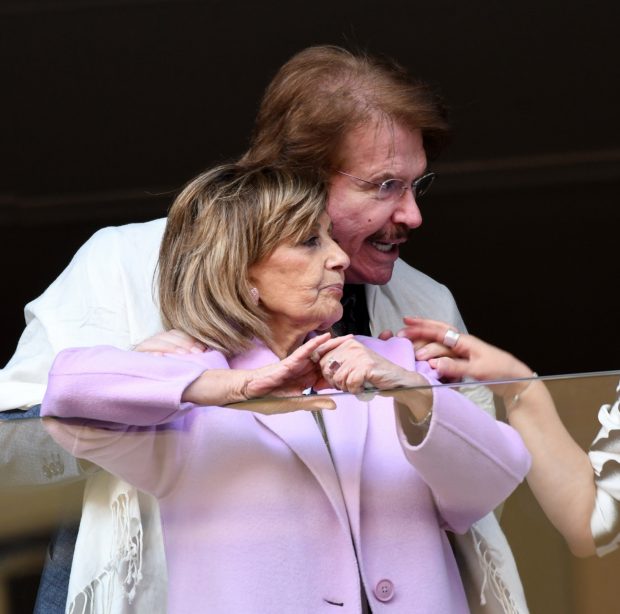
[[413, 186]]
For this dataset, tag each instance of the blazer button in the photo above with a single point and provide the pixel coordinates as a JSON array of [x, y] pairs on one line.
[[384, 591]]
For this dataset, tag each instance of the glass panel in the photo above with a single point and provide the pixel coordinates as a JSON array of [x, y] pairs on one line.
[[42, 485]]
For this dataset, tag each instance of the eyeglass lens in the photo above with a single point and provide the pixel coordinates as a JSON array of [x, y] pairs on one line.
[[395, 187], [420, 186]]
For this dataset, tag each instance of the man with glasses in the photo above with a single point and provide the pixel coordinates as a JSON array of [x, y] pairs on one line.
[[366, 127]]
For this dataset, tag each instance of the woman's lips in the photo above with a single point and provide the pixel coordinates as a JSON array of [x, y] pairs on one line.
[[337, 288]]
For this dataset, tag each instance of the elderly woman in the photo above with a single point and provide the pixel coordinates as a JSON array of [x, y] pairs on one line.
[[267, 507]]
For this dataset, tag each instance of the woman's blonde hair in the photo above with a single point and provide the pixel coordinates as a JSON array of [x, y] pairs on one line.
[[224, 221]]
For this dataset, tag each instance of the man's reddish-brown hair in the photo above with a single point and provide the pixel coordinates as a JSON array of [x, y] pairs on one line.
[[323, 93]]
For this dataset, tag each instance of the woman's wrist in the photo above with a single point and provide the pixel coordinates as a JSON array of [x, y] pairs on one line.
[[513, 395], [414, 423], [418, 402], [218, 387], [242, 388]]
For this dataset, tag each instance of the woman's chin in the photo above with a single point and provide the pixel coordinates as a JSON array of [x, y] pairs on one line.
[[323, 320], [330, 321]]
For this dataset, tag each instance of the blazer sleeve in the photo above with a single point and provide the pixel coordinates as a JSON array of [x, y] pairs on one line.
[[106, 384], [131, 421], [470, 461], [149, 458]]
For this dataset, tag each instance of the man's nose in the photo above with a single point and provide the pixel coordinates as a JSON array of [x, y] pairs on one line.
[[407, 211]]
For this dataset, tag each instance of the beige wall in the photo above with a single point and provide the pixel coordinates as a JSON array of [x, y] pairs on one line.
[[555, 581]]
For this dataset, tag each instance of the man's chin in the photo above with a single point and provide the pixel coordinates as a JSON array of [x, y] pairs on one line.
[[376, 276]]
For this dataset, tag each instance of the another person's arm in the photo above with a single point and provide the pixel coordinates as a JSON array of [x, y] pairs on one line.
[[561, 477]]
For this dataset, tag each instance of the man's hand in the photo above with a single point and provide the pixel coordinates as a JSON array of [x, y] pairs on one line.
[[171, 342]]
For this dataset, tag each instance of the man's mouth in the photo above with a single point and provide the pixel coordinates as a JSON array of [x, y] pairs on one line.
[[386, 246], [386, 242]]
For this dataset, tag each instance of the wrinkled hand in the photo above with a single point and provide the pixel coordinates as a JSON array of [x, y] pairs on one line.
[[171, 342], [470, 357], [348, 365], [289, 378]]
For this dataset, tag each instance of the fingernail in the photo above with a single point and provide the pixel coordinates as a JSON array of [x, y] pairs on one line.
[[400, 333], [181, 351], [196, 350], [421, 354]]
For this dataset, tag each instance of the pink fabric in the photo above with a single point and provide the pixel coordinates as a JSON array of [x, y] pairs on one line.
[[257, 517]]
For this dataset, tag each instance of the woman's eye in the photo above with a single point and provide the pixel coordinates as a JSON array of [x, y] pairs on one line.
[[311, 242]]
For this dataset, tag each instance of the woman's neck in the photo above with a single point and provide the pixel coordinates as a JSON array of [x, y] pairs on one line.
[[286, 337]]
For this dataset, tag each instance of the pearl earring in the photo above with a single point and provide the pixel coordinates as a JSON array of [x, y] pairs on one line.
[[255, 295]]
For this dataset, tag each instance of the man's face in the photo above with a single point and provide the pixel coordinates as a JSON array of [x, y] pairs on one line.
[[369, 230]]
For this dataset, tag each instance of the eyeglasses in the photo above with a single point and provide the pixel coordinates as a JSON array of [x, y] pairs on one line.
[[393, 189]]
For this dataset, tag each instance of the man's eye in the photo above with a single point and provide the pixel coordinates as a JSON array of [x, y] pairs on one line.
[[391, 187]]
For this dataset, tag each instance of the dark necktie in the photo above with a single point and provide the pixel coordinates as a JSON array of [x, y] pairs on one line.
[[355, 317]]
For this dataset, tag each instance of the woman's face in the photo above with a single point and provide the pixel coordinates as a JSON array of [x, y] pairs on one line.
[[300, 285]]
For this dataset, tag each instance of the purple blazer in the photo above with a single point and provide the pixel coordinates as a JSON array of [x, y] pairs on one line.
[[258, 517]]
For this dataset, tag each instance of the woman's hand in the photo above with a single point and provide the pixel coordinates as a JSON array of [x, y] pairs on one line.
[[348, 365], [171, 342], [245, 388], [468, 357], [292, 375]]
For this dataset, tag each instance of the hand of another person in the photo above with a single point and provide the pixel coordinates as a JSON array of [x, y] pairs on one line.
[[171, 342], [432, 350], [468, 357], [561, 476]]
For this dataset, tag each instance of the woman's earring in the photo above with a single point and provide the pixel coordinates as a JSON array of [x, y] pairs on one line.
[[254, 294]]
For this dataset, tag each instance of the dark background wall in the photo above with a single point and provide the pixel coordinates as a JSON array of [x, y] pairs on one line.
[[109, 106]]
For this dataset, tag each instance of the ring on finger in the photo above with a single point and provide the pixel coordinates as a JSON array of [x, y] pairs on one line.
[[451, 338], [333, 365], [315, 357]]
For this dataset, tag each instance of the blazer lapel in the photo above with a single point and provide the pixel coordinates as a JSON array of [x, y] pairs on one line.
[[300, 432], [347, 427], [302, 435]]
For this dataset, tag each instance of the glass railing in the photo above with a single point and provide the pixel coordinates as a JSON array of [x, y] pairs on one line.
[[42, 484]]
